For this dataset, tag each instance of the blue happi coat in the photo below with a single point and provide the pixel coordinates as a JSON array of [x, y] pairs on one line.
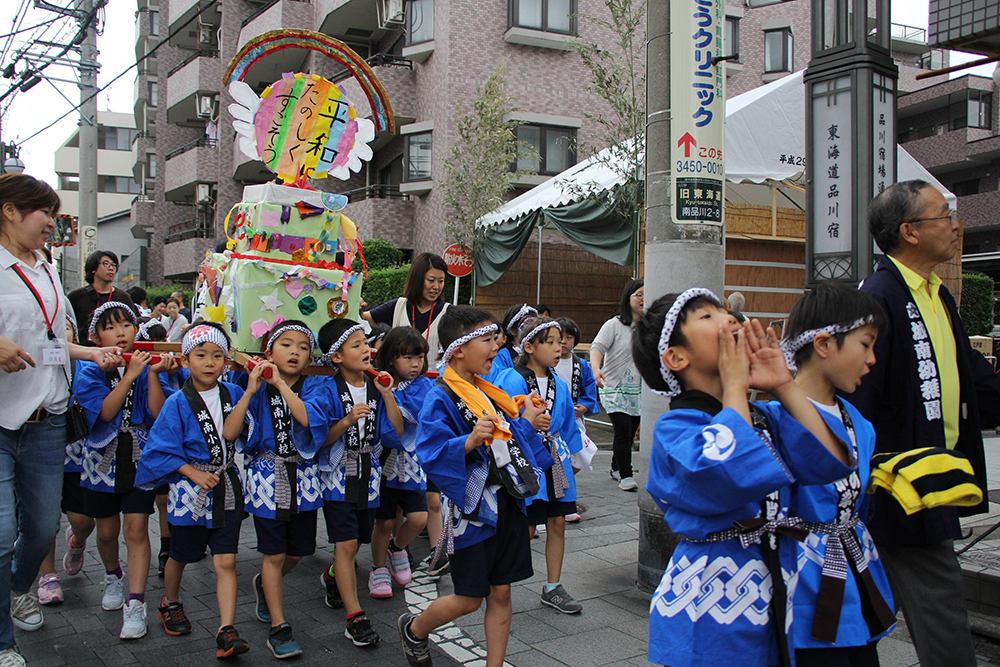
[[176, 439], [563, 428], [588, 386], [258, 461], [402, 469], [441, 437], [501, 362], [709, 468], [325, 408]]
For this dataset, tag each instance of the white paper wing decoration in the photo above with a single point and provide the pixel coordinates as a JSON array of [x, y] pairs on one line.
[[244, 109]]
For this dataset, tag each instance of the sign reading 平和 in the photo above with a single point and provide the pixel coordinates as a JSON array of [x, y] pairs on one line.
[[459, 260], [698, 102]]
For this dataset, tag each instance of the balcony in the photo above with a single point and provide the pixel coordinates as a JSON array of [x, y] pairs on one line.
[[200, 33], [398, 79], [276, 14], [191, 164], [190, 82], [979, 210], [382, 211], [142, 145], [351, 19], [144, 106], [141, 215], [145, 40], [184, 248], [248, 169], [965, 148]]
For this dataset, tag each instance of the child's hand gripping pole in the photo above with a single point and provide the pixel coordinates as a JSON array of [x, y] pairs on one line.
[[252, 363], [384, 380]]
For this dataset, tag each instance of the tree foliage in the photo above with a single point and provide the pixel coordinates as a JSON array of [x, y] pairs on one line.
[[379, 254], [977, 303]]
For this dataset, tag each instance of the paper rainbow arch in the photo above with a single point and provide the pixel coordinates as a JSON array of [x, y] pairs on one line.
[[277, 40]]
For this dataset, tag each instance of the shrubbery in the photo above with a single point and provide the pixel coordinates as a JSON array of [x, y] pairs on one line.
[[977, 303]]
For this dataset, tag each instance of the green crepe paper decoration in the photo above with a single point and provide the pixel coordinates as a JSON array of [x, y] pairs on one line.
[[307, 305]]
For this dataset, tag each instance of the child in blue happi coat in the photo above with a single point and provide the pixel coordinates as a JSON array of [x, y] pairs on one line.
[[579, 376], [724, 471], [843, 604], [351, 418], [539, 347], [513, 319], [121, 406]]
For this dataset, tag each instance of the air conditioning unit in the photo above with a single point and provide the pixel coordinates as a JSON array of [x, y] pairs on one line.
[[206, 106], [205, 35], [204, 192], [391, 14]]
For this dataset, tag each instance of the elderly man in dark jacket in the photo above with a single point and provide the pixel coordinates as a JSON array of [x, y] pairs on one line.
[[928, 388]]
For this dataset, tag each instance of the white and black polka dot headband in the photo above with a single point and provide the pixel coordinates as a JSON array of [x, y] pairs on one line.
[[669, 322], [143, 332], [376, 338], [517, 322], [325, 359], [455, 344], [531, 335], [103, 308], [76, 332], [790, 346], [201, 334], [292, 327]]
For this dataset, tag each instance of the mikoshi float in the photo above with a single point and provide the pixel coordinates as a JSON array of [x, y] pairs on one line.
[[291, 250]]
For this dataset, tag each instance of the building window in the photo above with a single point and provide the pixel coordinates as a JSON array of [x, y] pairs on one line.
[[419, 21], [556, 148], [154, 23], [154, 93], [965, 188], [151, 165], [545, 15], [933, 59], [971, 108], [417, 153], [778, 50], [117, 138], [392, 173], [119, 184], [731, 40]]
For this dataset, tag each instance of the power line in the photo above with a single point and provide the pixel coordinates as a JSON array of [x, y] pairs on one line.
[[11, 34], [16, 24]]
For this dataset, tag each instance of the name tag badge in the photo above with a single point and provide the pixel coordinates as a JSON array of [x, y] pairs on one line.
[[54, 355]]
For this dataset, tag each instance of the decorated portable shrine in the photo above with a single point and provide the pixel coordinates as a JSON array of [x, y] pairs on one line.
[[291, 252]]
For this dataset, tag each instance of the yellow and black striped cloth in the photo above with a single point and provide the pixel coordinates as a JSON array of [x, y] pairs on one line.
[[924, 478]]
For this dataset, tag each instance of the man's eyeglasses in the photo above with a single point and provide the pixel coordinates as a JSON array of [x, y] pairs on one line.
[[109, 265], [951, 214]]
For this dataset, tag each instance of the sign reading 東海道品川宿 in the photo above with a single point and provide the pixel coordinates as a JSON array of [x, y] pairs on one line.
[[698, 111]]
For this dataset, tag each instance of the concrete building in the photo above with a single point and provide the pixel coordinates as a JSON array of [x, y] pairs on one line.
[[117, 188]]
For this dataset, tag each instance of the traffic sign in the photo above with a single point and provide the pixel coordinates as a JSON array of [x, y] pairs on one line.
[[459, 260]]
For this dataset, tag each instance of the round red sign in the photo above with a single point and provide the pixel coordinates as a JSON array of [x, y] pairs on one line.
[[459, 260]]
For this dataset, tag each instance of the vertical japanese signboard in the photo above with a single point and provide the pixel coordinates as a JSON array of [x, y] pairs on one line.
[[832, 168], [883, 112], [697, 99]]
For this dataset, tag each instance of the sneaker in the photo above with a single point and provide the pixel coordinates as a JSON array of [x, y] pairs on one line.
[[133, 620], [73, 559], [628, 484], [417, 651], [399, 566], [615, 475], [11, 658], [49, 590], [333, 599], [161, 562], [260, 608], [230, 643], [25, 612], [560, 600], [380, 583], [281, 642], [573, 518], [114, 592], [175, 621], [360, 631]]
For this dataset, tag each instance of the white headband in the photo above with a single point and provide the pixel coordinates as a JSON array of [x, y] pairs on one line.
[[108, 305], [534, 332], [790, 346], [374, 339], [76, 332], [202, 334], [481, 331], [292, 327], [669, 322], [343, 338], [525, 312], [143, 332]]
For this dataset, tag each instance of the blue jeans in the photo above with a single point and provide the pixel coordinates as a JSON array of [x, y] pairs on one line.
[[31, 471]]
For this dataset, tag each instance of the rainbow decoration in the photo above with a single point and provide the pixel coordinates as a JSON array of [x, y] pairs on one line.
[[277, 40]]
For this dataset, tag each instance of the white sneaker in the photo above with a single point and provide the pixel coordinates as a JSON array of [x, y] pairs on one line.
[[615, 475], [114, 593], [628, 484], [25, 612], [11, 658], [133, 620]]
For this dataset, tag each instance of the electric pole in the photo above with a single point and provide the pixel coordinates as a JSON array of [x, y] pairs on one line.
[[88, 123]]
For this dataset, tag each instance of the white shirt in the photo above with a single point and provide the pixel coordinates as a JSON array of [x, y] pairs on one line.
[[614, 341], [833, 410], [213, 401], [359, 395], [543, 386], [564, 370], [21, 320], [174, 327]]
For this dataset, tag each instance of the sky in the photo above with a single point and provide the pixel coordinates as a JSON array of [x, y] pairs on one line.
[[32, 110]]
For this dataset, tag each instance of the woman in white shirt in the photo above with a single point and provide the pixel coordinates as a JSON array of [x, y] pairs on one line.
[[173, 321], [34, 393]]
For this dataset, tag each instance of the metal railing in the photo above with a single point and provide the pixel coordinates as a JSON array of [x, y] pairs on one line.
[[139, 135], [909, 33], [378, 60], [142, 199], [203, 142], [201, 53], [375, 192], [188, 230]]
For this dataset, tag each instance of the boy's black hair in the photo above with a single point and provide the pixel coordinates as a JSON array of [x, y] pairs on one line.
[[646, 336], [331, 331], [284, 323], [569, 328], [111, 315], [137, 294], [458, 321], [157, 300], [530, 326], [625, 308], [827, 304], [542, 308], [215, 325], [397, 342], [156, 332]]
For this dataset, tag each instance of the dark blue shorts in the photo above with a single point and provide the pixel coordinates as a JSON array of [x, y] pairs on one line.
[[432, 487], [295, 537], [101, 505], [188, 543], [539, 511], [498, 560], [346, 523], [72, 494], [389, 499]]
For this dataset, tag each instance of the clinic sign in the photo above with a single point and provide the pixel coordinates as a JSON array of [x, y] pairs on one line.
[[698, 103]]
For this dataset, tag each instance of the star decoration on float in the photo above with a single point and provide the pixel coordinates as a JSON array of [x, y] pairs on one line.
[[271, 301]]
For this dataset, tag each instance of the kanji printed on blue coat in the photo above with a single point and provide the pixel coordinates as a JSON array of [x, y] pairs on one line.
[[402, 468], [584, 387]]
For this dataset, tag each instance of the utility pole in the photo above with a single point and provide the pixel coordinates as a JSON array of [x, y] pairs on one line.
[[88, 124]]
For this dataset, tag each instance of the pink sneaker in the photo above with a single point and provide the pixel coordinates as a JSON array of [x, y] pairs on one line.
[[380, 583], [49, 590], [399, 566], [73, 560]]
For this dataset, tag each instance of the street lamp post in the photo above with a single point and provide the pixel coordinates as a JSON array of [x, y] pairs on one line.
[[850, 135]]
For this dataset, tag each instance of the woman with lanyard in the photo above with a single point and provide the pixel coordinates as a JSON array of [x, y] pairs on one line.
[[421, 305], [618, 383], [34, 392]]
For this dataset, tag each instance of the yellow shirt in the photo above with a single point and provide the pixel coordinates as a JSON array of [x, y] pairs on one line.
[[926, 294]]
